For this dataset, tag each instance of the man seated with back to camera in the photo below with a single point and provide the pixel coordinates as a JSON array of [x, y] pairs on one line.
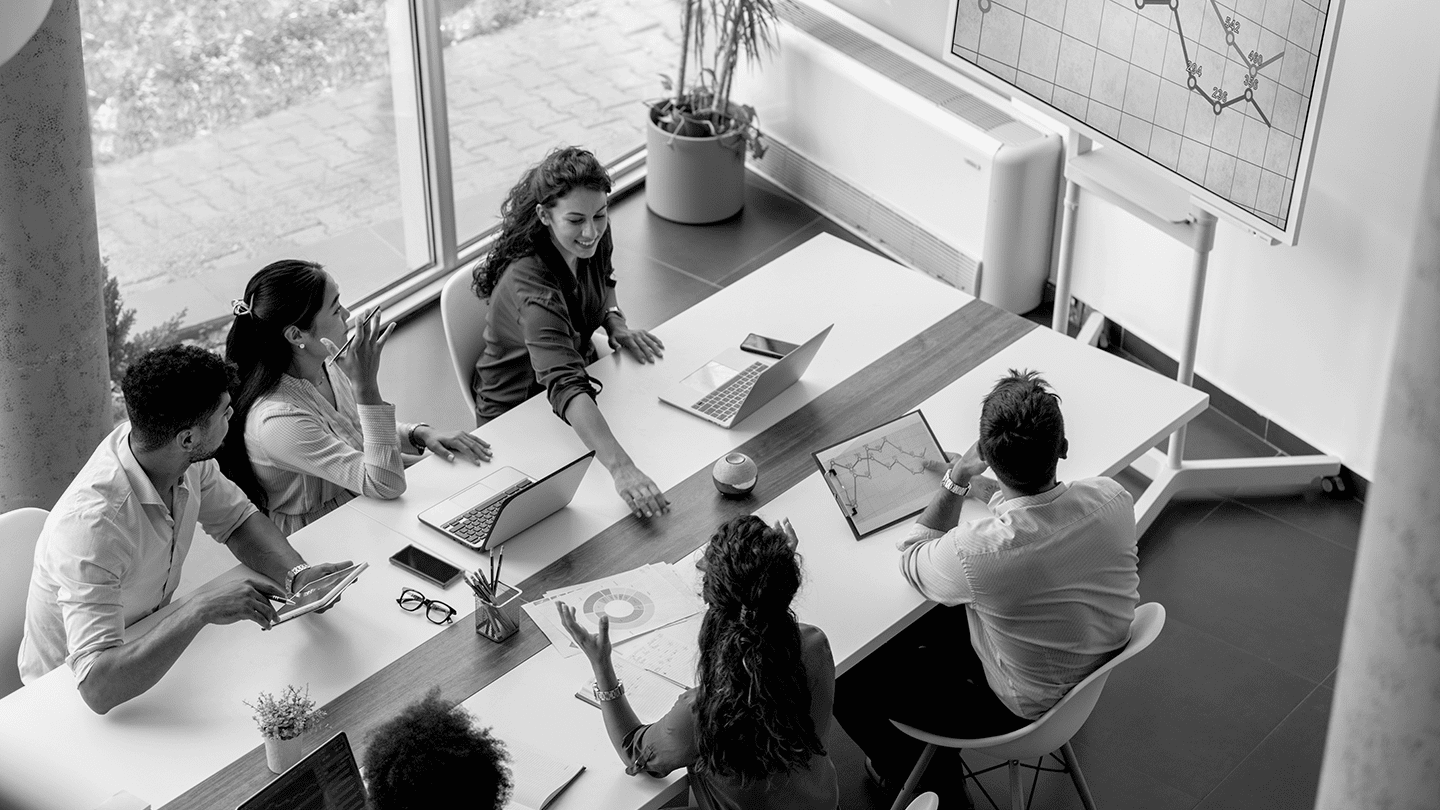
[[1048, 583], [432, 755], [111, 550]]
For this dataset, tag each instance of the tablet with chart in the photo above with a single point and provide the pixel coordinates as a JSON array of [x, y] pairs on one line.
[[1224, 94], [879, 478]]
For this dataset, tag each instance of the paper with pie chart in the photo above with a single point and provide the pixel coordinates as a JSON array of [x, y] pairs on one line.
[[638, 601]]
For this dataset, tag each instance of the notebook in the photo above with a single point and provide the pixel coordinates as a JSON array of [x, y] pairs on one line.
[[504, 503], [735, 384]]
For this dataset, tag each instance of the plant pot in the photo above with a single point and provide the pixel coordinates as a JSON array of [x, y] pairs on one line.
[[281, 755], [696, 180]]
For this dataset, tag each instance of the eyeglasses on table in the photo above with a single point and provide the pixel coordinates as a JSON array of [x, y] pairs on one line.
[[436, 611]]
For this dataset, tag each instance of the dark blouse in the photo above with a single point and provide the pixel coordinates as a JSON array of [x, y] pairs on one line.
[[671, 743], [537, 334]]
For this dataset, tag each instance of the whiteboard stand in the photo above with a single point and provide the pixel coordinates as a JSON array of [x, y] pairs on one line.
[[1174, 212]]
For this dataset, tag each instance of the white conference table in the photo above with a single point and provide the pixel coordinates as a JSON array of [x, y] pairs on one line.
[[55, 753]]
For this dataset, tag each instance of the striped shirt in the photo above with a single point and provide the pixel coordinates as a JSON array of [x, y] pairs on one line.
[[312, 457], [1050, 583]]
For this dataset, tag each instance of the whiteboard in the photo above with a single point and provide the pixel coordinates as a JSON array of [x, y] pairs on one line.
[[1221, 96]]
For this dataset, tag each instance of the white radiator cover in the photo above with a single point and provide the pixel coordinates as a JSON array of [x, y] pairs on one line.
[[878, 137]]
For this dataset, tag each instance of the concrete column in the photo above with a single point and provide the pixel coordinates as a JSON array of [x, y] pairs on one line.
[[1383, 746], [54, 371]]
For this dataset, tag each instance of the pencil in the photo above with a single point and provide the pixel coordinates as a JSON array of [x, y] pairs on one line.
[[351, 339]]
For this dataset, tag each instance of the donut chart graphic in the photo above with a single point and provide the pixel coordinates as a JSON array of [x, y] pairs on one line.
[[626, 607]]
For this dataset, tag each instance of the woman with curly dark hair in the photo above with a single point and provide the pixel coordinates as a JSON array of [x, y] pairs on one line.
[[431, 755], [551, 285], [751, 733]]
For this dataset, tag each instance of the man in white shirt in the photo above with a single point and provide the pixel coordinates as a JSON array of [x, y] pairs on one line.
[[112, 549], [1048, 583]]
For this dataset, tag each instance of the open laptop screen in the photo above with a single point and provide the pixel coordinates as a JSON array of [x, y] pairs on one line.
[[327, 779]]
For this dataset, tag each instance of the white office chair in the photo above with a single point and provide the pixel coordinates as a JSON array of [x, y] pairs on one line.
[[925, 801], [1050, 733], [19, 529], [462, 315]]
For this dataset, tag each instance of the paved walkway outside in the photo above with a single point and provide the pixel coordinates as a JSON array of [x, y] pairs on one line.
[[184, 227]]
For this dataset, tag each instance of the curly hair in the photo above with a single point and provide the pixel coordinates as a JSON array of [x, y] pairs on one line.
[[286, 293], [432, 752], [1022, 432], [753, 704], [172, 389], [562, 171]]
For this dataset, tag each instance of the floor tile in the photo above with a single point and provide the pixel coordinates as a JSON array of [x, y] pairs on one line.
[[1175, 518], [1336, 520], [1283, 773], [789, 243], [417, 377], [1214, 435], [1259, 584], [1113, 783], [714, 251], [1189, 709]]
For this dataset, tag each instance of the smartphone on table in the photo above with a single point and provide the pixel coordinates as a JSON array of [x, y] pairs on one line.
[[766, 347], [426, 565]]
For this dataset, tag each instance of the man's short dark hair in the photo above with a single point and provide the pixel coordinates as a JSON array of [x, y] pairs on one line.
[[431, 753], [173, 389], [1022, 432]]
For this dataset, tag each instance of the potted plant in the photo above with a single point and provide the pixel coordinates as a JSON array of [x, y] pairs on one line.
[[698, 137], [282, 721]]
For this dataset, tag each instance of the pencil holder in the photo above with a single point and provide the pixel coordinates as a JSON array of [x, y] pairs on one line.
[[500, 619]]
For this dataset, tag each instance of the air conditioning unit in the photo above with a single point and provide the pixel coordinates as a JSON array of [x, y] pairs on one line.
[[889, 143]]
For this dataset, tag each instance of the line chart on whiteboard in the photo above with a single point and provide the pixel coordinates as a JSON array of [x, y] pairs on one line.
[[879, 477], [1218, 91]]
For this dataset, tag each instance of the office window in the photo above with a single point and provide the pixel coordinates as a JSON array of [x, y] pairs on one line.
[[229, 133], [525, 76]]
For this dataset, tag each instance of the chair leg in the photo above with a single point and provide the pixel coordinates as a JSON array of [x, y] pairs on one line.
[[1017, 796], [1073, 766], [913, 780]]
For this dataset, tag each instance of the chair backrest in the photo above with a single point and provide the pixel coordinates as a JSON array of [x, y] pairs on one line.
[[925, 801], [462, 314], [1057, 726], [19, 530]]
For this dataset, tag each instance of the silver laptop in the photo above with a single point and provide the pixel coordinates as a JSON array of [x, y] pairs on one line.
[[735, 383], [504, 503]]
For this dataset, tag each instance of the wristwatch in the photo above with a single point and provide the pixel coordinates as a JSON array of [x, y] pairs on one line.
[[291, 574], [609, 694], [954, 488], [612, 311]]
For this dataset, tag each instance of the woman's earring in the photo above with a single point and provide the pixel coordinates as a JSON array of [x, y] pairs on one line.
[[302, 345]]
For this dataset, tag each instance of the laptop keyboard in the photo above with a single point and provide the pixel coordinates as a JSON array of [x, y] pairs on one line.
[[723, 402], [473, 527]]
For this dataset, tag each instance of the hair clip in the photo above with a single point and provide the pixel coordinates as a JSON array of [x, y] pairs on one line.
[[238, 307]]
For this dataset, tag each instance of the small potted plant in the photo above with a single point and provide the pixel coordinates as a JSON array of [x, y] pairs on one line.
[[698, 137], [282, 721]]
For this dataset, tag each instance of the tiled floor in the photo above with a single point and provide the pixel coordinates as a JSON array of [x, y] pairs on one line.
[[1227, 710]]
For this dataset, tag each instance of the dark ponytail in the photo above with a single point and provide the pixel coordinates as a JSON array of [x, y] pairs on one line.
[[286, 293], [753, 705]]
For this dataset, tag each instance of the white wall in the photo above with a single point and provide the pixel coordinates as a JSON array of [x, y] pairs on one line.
[[1303, 335]]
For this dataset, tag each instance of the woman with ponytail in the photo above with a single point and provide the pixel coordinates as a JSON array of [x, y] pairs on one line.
[[752, 732], [310, 430], [550, 284]]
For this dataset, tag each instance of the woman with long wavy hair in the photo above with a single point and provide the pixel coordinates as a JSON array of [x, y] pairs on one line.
[[551, 284], [751, 733], [310, 430]]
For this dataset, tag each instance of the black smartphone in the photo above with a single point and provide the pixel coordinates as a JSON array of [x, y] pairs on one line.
[[766, 347], [426, 565]]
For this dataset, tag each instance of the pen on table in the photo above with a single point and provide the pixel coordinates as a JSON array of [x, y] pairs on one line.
[[362, 322]]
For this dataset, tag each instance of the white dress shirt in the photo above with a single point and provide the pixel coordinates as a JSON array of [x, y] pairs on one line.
[[110, 554], [1050, 583]]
